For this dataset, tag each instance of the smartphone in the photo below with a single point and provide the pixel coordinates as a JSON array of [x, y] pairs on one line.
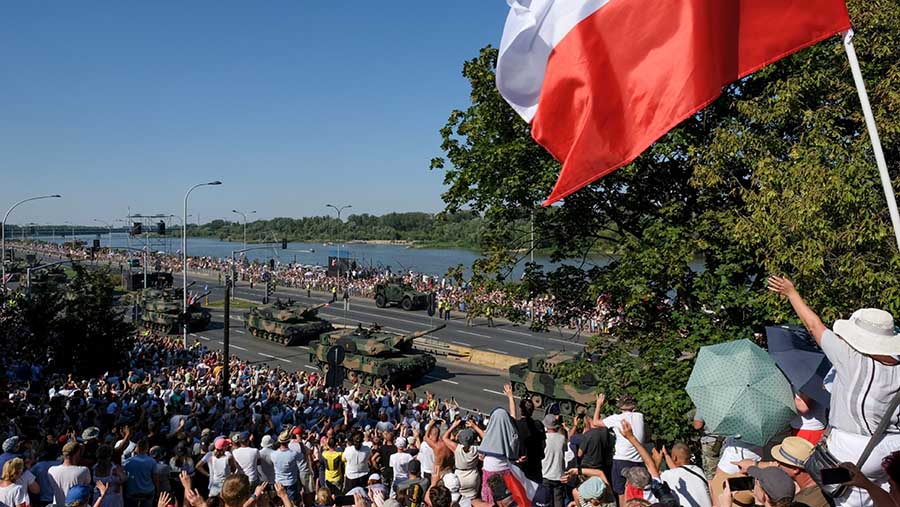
[[344, 500], [836, 475], [741, 483]]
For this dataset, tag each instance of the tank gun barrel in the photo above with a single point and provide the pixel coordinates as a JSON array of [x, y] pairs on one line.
[[419, 334]]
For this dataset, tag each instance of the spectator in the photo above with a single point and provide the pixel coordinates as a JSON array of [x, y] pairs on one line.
[[162, 472], [356, 463], [531, 439], [465, 457], [65, 476], [411, 491], [12, 494], [864, 351], [10, 450], [333, 463], [624, 455], [553, 465], [685, 479], [266, 468], [399, 462], [110, 474], [773, 487], [500, 445], [880, 497], [247, 458], [810, 421], [285, 462], [790, 456], [591, 493], [142, 482], [41, 471], [637, 484]]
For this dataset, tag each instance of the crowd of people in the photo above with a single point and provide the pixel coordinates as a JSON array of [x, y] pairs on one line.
[[166, 430], [467, 299]]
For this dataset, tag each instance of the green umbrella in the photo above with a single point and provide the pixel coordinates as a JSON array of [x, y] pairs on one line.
[[738, 390]]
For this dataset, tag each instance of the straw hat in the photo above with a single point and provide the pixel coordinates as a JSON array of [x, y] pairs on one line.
[[870, 331], [793, 452]]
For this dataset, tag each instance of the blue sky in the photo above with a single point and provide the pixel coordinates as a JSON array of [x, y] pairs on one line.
[[292, 104]]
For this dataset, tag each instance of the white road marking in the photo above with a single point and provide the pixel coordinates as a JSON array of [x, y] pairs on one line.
[[515, 332], [429, 377], [310, 367], [495, 350], [270, 356], [236, 347], [498, 393], [238, 331], [304, 347], [525, 345], [464, 344], [475, 334]]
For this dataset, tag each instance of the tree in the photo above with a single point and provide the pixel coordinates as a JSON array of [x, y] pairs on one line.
[[71, 329], [776, 176]]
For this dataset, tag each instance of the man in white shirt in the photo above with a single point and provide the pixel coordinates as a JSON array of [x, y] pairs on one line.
[[399, 461], [625, 455], [356, 463], [63, 477], [247, 458], [683, 478]]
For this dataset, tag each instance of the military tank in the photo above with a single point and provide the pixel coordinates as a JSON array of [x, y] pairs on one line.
[[52, 276], [376, 357], [537, 378], [161, 310], [287, 323]]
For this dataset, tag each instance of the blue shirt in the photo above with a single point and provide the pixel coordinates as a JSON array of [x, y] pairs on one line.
[[285, 462], [140, 470]]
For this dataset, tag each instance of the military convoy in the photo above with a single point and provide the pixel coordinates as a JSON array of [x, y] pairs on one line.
[[286, 323], [375, 357], [161, 311], [395, 292], [537, 378]]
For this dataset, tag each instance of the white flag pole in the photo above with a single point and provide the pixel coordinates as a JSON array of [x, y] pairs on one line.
[[873, 134]]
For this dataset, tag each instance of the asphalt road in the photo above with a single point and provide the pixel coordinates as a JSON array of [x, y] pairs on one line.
[[475, 388], [503, 338]]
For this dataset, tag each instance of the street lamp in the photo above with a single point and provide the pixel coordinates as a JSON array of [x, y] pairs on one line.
[[184, 256], [339, 210], [245, 222], [3, 233], [109, 237]]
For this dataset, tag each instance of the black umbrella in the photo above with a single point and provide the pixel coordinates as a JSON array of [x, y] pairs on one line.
[[802, 361]]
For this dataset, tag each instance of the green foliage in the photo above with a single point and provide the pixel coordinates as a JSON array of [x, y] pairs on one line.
[[460, 229], [72, 329], [777, 176]]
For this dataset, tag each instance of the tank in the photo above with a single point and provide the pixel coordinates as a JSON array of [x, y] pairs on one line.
[[161, 310], [376, 357], [287, 323], [54, 275], [538, 379], [396, 292]]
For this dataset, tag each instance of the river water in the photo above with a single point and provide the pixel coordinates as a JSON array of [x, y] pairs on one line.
[[433, 261]]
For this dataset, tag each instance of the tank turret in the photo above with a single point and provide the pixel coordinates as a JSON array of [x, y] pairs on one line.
[[374, 356], [287, 323]]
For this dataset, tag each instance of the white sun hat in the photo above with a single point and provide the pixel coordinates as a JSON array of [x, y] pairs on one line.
[[870, 331]]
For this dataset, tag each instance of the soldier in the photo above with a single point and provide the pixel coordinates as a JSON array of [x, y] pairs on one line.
[[440, 307], [487, 313], [346, 299], [447, 310], [308, 295], [333, 293]]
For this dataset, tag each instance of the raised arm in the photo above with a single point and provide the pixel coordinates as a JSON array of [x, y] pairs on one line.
[[809, 318], [446, 436], [507, 389], [598, 419], [628, 434]]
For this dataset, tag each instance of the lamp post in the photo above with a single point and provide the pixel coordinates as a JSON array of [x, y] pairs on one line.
[[245, 222], [339, 210], [3, 234], [184, 256]]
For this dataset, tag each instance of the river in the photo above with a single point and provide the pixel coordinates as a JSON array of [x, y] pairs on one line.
[[433, 261]]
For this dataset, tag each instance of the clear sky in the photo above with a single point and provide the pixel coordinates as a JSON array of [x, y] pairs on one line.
[[292, 104]]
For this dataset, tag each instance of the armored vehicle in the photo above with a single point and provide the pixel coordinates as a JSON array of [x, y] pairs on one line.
[[538, 379], [161, 311], [54, 275], [286, 323], [375, 357], [395, 292]]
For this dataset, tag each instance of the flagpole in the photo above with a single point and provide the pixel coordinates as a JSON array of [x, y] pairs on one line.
[[873, 133]]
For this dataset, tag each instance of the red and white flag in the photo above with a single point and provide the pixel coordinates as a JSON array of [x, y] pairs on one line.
[[601, 80]]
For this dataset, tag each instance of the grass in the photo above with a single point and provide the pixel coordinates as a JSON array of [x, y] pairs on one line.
[[236, 304]]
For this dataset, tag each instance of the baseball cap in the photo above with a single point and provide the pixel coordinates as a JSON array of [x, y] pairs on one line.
[[777, 484], [551, 422], [374, 477], [79, 494], [297, 430], [222, 443]]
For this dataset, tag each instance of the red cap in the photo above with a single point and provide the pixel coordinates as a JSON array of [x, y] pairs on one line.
[[222, 443], [297, 430]]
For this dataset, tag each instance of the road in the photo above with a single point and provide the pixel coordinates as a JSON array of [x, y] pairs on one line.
[[475, 388], [503, 338]]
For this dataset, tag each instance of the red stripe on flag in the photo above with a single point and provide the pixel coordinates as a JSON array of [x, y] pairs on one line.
[[634, 69]]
